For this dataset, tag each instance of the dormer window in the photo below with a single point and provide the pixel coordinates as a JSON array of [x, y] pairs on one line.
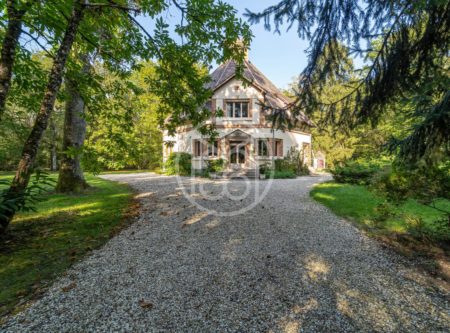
[[237, 109]]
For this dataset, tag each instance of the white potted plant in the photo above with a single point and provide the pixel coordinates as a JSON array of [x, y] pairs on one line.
[[262, 171], [215, 166]]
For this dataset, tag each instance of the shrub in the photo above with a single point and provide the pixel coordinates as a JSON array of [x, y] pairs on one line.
[[40, 184], [282, 174], [264, 168], [215, 165], [292, 163], [179, 164], [424, 184], [355, 172]]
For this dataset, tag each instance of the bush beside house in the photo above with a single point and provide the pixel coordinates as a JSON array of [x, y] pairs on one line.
[[178, 164]]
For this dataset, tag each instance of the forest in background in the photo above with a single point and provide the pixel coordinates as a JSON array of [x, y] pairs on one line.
[[118, 136]]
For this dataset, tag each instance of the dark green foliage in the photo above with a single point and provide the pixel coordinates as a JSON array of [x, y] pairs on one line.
[[423, 184], [215, 165], [355, 172], [27, 200], [179, 164], [292, 163], [406, 45], [282, 174], [264, 168], [209, 31]]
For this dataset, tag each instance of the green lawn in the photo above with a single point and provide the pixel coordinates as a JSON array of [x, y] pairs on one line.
[[375, 214], [41, 245]]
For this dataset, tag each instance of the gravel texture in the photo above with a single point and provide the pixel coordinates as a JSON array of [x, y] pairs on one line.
[[286, 265]]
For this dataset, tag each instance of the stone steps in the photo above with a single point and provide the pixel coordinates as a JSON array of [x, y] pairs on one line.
[[240, 174]]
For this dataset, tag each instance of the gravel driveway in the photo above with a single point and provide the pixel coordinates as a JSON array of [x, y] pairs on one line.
[[285, 265]]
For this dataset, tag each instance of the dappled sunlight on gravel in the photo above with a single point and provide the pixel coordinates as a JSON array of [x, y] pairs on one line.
[[286, 265]]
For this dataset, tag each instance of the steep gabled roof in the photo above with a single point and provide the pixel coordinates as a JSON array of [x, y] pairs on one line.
[[274, 97]]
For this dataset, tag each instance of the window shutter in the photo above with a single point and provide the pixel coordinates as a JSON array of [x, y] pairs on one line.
[[280, 148], [219, 147], [204, 148], [213, 109], [213, 106], [197, 147], [271, 147], [247, 153]]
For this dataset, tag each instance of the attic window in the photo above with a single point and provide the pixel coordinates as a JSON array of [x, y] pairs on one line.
[[236, 88]]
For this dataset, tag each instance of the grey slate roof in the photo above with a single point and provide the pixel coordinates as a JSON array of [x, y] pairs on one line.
[[274, 97]]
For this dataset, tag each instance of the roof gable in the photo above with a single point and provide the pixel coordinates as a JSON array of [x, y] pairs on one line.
[[274, 97], [253, 75]]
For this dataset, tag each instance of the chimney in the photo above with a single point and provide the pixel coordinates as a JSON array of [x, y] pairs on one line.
[[240, 44]]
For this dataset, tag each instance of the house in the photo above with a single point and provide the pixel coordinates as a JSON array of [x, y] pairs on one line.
[[318, 160], [246, 139]]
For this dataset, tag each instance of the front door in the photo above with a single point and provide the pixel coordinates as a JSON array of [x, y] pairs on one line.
[[237, 155]]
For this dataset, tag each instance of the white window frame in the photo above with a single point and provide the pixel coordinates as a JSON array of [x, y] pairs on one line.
[[263, 141], [234, 102], [213, 149]]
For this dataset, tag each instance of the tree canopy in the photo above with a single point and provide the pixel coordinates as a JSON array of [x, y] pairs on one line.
[[110, 33], [405, 46]]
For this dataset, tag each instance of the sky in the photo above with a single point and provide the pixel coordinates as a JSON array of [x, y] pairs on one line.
[[280, 57]]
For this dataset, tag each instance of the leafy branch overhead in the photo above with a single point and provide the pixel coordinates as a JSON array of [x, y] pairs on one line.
[[404, 45], [110, 33]]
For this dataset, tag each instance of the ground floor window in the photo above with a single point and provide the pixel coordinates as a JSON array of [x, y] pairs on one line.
[[213, 148], [203, 147], [197, 148], [263, 149]]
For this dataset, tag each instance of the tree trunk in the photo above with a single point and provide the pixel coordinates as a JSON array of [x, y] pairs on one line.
[[53, 156], [71, 178], [8, 52], [31, 146]]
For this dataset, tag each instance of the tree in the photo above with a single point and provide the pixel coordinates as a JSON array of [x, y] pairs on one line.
[[30, 150], [409, 41], [71, 178], [208, 32], [126, 133], [15, 13]]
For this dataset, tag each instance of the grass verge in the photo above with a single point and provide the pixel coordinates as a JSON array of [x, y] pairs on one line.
[[410, 227], [41, 245]]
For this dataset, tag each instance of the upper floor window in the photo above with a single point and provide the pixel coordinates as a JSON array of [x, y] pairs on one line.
[[238, 109]]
